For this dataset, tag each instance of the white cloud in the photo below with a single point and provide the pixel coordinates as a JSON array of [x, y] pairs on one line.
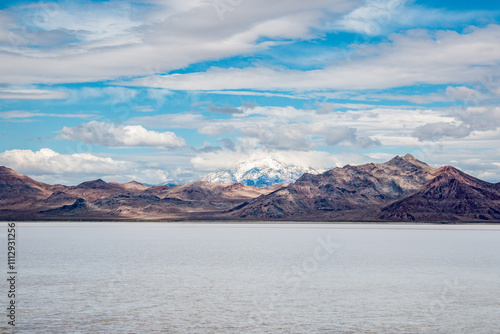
[[299, 129], [51, 167], [254, 93], [477, 159], [225, 110], [467, 120], [221, 160], [46, 161], [436, 131], [378, 17], [172, 121], [324, 107], [304, 136], [216, 130], [22, 114], [288, 128], [479, 118], [113, 94], [17, 114], [371, 19], [32, 94], [383, 97], [82, 43], [6, 22], [414, 57], [463, 93], [90, 22], [283, 136], [107, 134]]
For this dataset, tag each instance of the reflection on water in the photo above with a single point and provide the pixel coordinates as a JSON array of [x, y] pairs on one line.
[[263, 278]]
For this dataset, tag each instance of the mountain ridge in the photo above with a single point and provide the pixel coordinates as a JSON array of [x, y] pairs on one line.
[[402, 189], [451, 195], [335, 193]]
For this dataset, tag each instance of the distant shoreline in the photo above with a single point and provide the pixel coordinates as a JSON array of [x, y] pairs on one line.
[[243, 222]]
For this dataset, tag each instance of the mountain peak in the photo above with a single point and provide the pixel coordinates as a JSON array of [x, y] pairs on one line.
[[259, 173], [132, 185], [8, 174], [448, 170], [95, 184], [450, 196], [452, 173], [409, 157], [405, 160]]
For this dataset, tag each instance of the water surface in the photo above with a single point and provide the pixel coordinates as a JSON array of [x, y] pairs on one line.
[[259, 278]]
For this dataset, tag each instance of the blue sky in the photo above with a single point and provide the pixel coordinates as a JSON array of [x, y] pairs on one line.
[[159, 91]]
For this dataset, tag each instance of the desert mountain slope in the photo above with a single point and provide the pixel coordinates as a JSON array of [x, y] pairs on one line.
[[351, 192], [18, 190], [21, 197], [450, 196], [402, 189]]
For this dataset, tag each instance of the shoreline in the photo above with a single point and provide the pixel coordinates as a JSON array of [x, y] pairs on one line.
[[249, 223]]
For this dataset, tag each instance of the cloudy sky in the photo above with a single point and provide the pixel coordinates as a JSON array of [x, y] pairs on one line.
[[162, 90]]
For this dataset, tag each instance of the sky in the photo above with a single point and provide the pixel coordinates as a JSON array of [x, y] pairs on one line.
[[168, 91]]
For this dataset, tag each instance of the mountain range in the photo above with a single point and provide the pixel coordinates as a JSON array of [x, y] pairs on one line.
[[403, 189]]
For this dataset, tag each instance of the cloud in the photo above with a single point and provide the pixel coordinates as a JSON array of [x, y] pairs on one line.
[[480, 118], [249, 105], [173, 121], [71, 42], [216, 130], [289, 136], [222, 160], [384, 97], [89, 22], [478, 160], [144, 108], [367, 142], [227, 143], [467, 121], [340, 134], [295, 95], [436, 131], [290, 128], [225, 110], [22, 114], [51, 167], [17, 114], [324, 108], [443, 57], [337, 135], [32, 94], [463, 93], [46, 161], [112, 95], [107, 134], [378, 17], [371, 19], [303, 136]]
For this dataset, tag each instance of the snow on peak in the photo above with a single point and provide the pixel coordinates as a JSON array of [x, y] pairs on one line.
[[260, 173]]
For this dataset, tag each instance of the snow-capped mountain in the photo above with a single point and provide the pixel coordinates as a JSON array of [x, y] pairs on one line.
[[260, 173]]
